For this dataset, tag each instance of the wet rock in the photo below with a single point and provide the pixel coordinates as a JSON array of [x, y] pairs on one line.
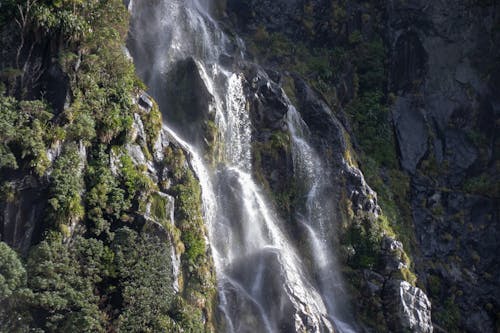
[[137, 131], [21, 221], [145, 102], [285, 303], [268, 103], [410, 60], [392, 251], [136, 153], [139, 159], [54, 151], [186, 100]]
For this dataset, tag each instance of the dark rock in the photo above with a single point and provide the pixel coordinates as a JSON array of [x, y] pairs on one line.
[[440, 54], [411, 131], [186, 100], [56, 87], [410, 60], [21, 221]]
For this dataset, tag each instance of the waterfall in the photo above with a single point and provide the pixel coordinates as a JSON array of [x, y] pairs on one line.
[[315, 216], [263, 285]]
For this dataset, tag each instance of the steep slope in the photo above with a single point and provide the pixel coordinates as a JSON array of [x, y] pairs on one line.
[[291, 166], [99, 201], [413, 82], [444, 72]]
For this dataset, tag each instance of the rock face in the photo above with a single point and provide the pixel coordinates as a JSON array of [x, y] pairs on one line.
[[411, 129], [445, 93], [187, 99], [442, 79], [411, 306], [21, 220]]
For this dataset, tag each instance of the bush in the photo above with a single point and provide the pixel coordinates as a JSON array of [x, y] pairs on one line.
[[66, 187], [63, 280], [145, 281]]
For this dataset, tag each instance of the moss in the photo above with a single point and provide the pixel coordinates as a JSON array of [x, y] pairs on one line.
[[189, 217], [434, 285], [213, 143], [279, 140], [198, 274], [153, 123], [437, 209], [175, 161], [134, 177], [159, 206], [269, 156], [65, 231], [7, 192], [448, 315], [289, 88], [483, 184], [349, 153]]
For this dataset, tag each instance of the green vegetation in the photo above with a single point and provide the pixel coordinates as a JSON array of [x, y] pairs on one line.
[[449, 315], [73, 287], [319, 65], [198, 275], [483, 184], [26, 133], [145, 282], [62, 281], [66, 188], [152, 123], [101, 266], [106, 200], [12, 291], [274, 151]]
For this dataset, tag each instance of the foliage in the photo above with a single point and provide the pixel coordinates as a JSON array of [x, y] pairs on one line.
[[145, 281], [372, 128], [198, 276], [449, 315], [159, 206], [62, 280], [483, 184], [364, 237], [66, 187], [188, 216], [12, 272], [105, 199], [152, 124], [12, 290], [25, 133], [133, 177], [104, 277]]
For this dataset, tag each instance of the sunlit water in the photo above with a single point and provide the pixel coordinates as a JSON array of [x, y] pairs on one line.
[[263, 285]]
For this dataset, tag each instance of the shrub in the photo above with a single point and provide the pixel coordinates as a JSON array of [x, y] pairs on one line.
[[66, 187]]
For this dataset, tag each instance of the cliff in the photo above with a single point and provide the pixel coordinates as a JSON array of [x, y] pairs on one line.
[[338, 167]]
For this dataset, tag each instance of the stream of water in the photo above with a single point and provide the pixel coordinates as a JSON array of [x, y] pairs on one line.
[[263, 285]]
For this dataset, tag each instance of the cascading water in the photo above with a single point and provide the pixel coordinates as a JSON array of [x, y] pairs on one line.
[[316, 215], [263, 285]]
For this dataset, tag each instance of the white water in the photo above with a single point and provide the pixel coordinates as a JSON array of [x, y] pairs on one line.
[[262, 283], [316, 216]]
